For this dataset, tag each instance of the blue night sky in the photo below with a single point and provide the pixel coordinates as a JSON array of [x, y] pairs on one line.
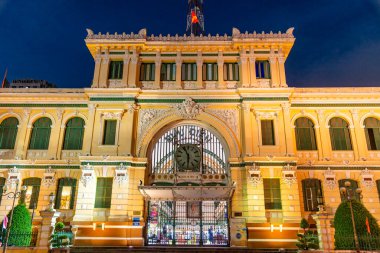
[[337, 41]]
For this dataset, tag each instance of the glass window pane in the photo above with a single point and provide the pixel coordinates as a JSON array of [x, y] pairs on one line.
[[66, 197]]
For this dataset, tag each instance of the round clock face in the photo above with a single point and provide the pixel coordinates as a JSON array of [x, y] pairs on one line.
[[188, 157]]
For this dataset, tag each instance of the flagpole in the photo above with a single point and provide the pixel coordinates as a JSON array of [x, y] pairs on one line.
[[5, 78]]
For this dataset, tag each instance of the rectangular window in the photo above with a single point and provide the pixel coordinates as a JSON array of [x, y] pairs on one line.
[[65, 193], [168, 72], [189, 72], [262, 70], [267, 132], [116, 70], [272, 194], [312, 191], [147, 72], [210, 72], [231, 72], [103, 192], [109, 134], [32, 192]]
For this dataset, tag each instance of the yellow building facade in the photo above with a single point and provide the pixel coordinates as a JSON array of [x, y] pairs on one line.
[[185, 140]]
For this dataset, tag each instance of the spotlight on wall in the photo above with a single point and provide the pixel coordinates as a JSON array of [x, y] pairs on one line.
[[94, 226], [281, 228], [103, 226], [271, 227]]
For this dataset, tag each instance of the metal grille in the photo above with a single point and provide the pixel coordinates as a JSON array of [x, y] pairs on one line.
[[213, 153], [188, 223]]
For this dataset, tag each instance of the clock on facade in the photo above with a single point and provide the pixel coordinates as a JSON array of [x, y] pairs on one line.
[[188, 157]]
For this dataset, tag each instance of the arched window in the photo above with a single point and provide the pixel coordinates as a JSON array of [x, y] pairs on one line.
[[2, 183], [40, 134], [65, 193], [8, 133], [340, 134], [73, 139], [30, 196], [354, 186], [372, 133], [312, 194], [305, 135]]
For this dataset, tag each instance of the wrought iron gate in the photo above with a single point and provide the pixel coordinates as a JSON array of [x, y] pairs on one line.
[[188, 223]]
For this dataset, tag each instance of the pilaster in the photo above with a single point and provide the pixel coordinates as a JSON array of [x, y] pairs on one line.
[[126, 131], [89, 129], [252, 71], [244, 70], [221, 82], [274, 71], [104, 69], [247, 130], [325, 135], [23, 131], [126, 60], [61, 137], [290, 147], [98, 61], [55, 137], [84, 208], [361, 145], [178, 65], [199, 72], [157, 73], [132, 75], [281, 66]]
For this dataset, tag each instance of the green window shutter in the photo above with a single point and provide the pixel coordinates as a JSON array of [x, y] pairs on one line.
[[272, 194], [305, 134], [109, 135], [116, 70], [8, 133], [40, 136], [74, 134], [378, 188], [36, 184], [58, 194], [103, 194], [2, 183], [267, 132], [340, 134]]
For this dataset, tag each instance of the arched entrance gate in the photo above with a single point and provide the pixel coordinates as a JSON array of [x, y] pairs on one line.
[[188, 189]]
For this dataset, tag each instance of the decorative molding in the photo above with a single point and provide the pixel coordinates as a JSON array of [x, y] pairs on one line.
[[49, 177], [14, 176], [43, 105], [112, 115], [121, 174], [88, 174], [228, 116], [254, 175], [289, 176], [188, 109], [330, 179], [367, 178], [336, 105], [148, 117]]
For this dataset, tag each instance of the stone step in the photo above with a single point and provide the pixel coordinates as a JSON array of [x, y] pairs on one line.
[[176, 249]]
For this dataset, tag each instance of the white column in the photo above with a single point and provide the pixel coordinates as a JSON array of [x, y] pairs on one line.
[[221, 82], [98, 61], [199, 73], [252, 67], [178, 71], [157, 73], [281, 66], [124, 81], [273, 71]]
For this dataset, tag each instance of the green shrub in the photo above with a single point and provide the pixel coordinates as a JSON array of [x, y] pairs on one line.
[[21, 228], [59, 226], [344, 233], [307, 240]]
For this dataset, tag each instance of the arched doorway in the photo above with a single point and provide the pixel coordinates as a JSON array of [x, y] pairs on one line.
[[188, 188]]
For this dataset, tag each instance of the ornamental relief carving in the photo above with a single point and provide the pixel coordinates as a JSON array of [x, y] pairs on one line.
[[228, 116], [189, 109]]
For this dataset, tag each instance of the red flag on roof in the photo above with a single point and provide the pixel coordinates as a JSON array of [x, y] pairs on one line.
[[194, 18], [367, 225]]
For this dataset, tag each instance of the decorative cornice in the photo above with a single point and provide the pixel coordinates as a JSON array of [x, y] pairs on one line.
[[108, 99], [236, 35], [276, 164], [56, 167], [128, 164], [337, 168], [336, 105], [43, 105]]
